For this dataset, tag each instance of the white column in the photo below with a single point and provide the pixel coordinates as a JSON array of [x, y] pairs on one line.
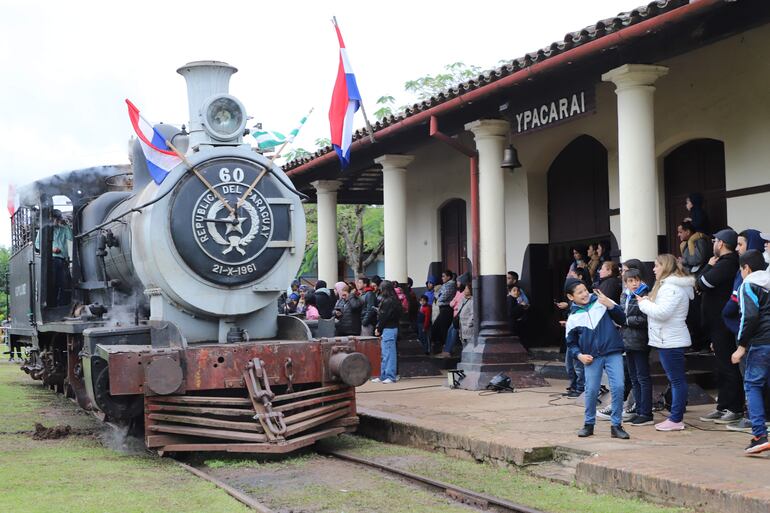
[[637, 175], [327, 230], [491, 136], [394, 202]]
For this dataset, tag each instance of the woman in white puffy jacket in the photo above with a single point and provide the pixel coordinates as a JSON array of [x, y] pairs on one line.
[[666, 309]]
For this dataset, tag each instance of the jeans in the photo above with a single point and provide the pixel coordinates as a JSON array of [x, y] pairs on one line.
[[451, 338], [754, 382], [612, 364], [672, 361], [388, 358], [639, 372], [576, 373], [424, 338]]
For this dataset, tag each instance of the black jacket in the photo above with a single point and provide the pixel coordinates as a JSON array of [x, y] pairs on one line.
[[716, 286], [389, 314], [754, 326], [635, 331], [611, 287], [350, 321], [369, 311], [324, 301]]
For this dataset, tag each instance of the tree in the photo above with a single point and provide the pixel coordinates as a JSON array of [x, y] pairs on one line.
[[353, 226], [386, 109], [5, 255], [430, 85], [296, 153]]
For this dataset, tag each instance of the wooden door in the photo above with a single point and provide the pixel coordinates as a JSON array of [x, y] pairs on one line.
[[453, 236], [697, 166]]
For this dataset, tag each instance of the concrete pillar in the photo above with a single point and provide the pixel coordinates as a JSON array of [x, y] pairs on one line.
[[637, 175], [491, 136], [494, 349], [394, 203], [327, 230]]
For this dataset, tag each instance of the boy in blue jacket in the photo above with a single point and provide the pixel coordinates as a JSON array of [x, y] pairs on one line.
[[594, 339], [754, 334]]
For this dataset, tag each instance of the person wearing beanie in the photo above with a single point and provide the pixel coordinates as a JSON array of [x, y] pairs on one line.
[[716, 286]]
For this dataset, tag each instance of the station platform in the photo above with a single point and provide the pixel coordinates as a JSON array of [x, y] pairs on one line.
[[702, 467]]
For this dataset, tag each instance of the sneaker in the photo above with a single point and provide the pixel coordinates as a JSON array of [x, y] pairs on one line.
[[573, 393], [11, 361], [443, 354], [757, 445], [714, 415], [588, 430], [619, 432], [668, 425], [397, 379], [743, 425], [605, 413], [641, 420], [387, 381], [729, 417], [628, 415], [376, 380]]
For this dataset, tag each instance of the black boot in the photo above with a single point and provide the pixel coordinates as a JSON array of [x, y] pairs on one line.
[[588, 430], [619, 432]]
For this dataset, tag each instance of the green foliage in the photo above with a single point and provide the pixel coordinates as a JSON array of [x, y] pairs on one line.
[[371, 231], [323, 142], [5, 255], [296, 153], [386, 107], [430, 85]]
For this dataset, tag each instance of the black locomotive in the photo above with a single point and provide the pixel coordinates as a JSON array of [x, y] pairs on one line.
[[155, 303]]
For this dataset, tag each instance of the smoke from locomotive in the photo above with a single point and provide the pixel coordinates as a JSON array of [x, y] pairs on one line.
[[161, 310]]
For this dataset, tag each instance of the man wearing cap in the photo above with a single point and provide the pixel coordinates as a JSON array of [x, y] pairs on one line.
[[62, 236], [715, 285]]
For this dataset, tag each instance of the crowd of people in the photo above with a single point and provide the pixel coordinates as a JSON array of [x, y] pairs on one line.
[[442, 317], [714, 295]]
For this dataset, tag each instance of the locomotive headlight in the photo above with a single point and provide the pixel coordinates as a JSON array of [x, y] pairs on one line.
[[224, 117]]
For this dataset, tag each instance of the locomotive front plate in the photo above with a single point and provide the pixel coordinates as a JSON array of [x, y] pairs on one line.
[[227, 229]]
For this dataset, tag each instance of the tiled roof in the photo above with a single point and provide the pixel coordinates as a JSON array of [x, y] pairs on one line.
[[571, 40]]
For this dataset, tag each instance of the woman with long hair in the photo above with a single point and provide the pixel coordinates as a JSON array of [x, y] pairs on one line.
[[387, 328], [666, 309]]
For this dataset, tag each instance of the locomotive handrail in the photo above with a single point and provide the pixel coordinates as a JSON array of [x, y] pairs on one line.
[[124, 214]]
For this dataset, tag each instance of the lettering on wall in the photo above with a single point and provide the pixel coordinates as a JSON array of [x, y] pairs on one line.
[[553, 111]]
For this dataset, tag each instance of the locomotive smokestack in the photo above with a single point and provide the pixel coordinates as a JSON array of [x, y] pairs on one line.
[[204, 80]]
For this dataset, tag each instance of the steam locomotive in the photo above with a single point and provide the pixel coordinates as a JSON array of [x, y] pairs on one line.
[[159, 309]]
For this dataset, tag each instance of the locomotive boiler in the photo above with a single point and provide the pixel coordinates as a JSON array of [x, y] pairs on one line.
[[161, 311]]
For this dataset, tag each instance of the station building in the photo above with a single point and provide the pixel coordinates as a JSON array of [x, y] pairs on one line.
[[614, 126]]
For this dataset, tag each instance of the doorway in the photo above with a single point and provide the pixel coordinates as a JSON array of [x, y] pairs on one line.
[[695, 167], [578, 204], [454, 242]]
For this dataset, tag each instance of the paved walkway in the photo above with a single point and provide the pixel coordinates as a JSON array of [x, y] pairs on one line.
[[705, 470]]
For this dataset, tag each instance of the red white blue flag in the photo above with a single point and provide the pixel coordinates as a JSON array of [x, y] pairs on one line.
[[160, 158], [346, 100]]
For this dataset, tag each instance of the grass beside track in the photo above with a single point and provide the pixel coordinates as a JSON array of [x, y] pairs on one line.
[[318, 495], [78, 474], [507, 483]]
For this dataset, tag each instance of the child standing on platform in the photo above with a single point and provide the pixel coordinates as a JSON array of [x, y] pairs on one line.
[[635, 340], [594, 339], [754, 334]]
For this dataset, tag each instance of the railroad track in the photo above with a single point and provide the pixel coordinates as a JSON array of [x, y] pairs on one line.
[[479, 501]]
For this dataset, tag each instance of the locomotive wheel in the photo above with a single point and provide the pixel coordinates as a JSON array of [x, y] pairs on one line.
[[116, 408]]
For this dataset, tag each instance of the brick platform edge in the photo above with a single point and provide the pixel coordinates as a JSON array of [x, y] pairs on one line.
[[397, 431], [598, 475]]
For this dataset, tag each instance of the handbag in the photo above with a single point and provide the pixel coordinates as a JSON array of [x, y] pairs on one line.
[[456, 318]]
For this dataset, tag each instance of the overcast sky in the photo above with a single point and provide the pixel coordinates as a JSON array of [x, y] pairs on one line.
[[67, 66]]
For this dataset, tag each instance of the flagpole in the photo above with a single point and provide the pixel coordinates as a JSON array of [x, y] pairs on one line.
[[191, 168], [368, 126], [291, 139]]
